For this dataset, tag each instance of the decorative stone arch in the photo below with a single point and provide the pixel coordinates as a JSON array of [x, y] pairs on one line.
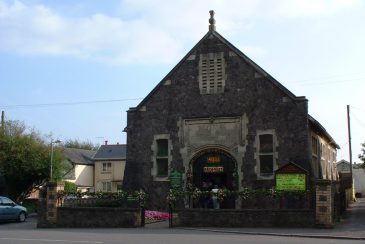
[[213, 163]]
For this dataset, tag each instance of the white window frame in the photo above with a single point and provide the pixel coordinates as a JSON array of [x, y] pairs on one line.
[[106, 167], [106, 186], [260, 175]]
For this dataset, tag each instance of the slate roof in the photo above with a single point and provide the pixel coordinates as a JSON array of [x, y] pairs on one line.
[[79, 156], [111, 152], [342, 161], [321, 130]]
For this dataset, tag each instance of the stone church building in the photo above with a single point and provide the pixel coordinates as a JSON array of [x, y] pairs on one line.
[[217, 116]]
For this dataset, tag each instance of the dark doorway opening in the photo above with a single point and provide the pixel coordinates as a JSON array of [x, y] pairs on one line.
[[216, 179], [214, 167]]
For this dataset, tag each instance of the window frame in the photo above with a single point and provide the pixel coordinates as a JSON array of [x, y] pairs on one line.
[[106, 167], [162, 157], [156, 157], [106, 184], [259, 153]]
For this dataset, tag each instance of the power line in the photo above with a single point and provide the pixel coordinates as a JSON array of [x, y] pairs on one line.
[[357, 119], [361, 109], [325, 77], [40, 105], [327, 82]]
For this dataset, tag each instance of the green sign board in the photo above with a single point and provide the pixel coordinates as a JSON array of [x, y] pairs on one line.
[[175, 179], [291, 182]]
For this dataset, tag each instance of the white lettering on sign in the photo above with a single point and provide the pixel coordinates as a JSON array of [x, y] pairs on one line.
[[213, 169]]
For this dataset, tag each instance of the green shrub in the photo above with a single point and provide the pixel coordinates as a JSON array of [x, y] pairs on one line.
[[70, 187]]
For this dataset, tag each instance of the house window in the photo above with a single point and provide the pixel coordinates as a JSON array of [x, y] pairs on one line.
[[107, 167], [106, 186], [266, 154], [322, 151], [314, 146], [211, 73], [162, 158]]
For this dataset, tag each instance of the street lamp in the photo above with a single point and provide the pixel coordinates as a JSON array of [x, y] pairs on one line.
[[52, 143]]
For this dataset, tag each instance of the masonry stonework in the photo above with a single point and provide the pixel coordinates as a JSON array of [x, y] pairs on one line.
[[324, 204], [252, 101]]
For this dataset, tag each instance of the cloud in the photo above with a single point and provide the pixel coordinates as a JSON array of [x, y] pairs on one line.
[[311, 8], [38, 30], [145, 31]]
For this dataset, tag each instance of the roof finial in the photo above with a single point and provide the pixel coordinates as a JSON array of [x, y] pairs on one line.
[[211, 21]]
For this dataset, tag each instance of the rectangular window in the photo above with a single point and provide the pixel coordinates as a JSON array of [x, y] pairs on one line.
[[107, 186], [266, 154], [162, 157], [162, 148], [162, 167], [107, 167], [266, 164], [314, 146], [266, 143]]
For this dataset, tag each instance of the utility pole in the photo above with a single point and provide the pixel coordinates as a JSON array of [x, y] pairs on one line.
[[2, 122], [349, 135]]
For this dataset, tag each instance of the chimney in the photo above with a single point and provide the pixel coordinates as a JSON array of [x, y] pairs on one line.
[[106, 142]]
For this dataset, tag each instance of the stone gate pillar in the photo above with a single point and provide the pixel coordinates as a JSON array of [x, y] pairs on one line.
[[47, 211], [324, 204]]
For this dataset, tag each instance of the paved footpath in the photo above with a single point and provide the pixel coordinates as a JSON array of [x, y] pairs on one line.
[[352, 226]]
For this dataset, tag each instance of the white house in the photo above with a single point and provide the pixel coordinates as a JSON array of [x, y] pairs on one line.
[[82, 171]]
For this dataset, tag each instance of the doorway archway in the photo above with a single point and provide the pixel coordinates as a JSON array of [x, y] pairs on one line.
[[216, 166]]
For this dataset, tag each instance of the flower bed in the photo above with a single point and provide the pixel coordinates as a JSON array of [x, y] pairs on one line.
[[155, 216]]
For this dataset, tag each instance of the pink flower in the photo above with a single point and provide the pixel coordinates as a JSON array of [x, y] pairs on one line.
[[156, 215]]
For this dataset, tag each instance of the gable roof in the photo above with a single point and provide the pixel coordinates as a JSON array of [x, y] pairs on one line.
[[343, 161], [214, 33], [321, 130], [111, 152], [79, 156]]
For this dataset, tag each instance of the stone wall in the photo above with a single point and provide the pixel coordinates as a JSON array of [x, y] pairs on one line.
[[87, 217], [243, 218]]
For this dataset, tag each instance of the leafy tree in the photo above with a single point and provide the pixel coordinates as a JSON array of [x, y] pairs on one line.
[[25, 160], [80, 144]]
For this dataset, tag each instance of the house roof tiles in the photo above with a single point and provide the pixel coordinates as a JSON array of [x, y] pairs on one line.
[[111, 152], [79, 156]]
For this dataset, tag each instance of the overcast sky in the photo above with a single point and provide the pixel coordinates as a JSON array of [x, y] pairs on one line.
[[77, 66]]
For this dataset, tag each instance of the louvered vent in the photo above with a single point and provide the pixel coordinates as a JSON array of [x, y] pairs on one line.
[[211, 73]]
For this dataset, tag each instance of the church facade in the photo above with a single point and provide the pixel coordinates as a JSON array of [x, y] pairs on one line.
[[218, 117]]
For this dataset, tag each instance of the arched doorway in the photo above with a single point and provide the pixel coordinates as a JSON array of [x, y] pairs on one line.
[[214, 166]]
